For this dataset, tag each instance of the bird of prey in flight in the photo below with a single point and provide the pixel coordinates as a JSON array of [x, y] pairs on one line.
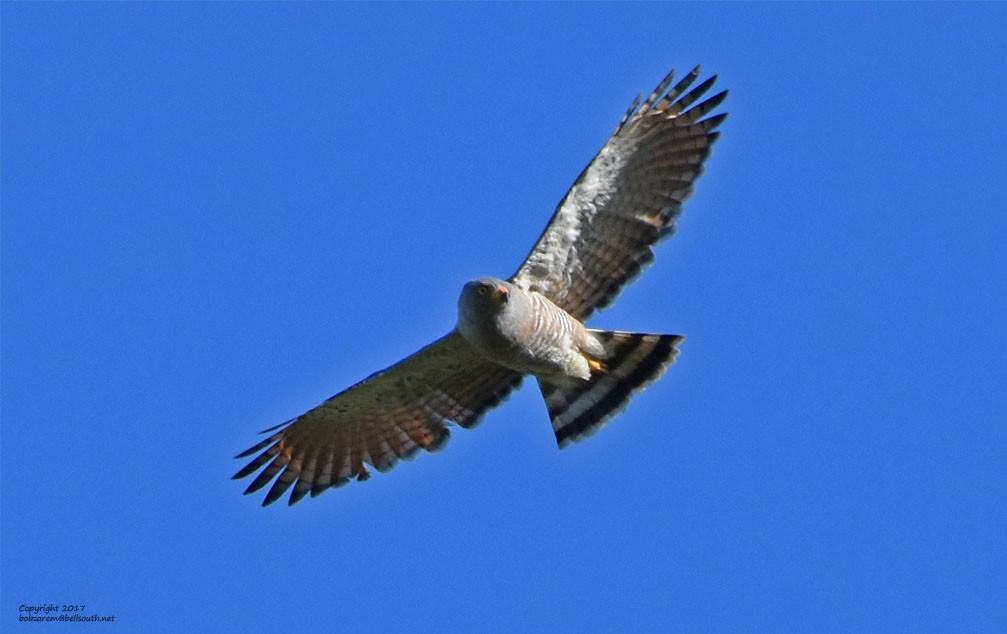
[[532, 323]]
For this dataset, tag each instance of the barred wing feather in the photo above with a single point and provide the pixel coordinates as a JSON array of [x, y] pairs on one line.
[[392, 414], [625, 200]]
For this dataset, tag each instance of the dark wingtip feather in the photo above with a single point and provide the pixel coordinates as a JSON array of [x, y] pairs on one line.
[[261, 480], [712, 123], [256, 447], [246, 471], [254, 465], [301, 489], [281, 425], [277, 490], [711, 103], [629, 112], [684, 83], [696, 93], [660, 90], [318, 489]]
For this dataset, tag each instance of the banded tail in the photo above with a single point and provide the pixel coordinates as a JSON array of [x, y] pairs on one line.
[[632, 362]]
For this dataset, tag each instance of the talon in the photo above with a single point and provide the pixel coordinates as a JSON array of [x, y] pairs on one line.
[[596, 365]]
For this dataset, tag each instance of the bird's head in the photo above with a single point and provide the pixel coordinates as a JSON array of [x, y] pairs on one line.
[[486, 291], [484, 307]]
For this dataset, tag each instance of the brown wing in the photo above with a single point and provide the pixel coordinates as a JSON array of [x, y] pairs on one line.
[[391, 414], [625, 200]]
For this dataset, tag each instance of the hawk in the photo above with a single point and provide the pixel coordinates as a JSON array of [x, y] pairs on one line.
[[600, 236]]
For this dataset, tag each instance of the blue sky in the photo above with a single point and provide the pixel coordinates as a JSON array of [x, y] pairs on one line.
[[216, 215]]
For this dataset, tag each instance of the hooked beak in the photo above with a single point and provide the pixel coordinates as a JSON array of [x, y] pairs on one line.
[[502, 293]]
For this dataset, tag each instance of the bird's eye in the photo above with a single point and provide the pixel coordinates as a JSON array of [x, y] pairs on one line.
[[482, 290]]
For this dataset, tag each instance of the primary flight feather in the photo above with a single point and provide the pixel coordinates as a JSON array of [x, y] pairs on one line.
[[599, 238]]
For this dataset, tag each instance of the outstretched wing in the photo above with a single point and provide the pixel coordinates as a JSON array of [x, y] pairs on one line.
[[625, 200], [391, 414]]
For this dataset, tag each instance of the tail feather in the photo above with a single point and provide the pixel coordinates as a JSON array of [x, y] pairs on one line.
[[632, 361]]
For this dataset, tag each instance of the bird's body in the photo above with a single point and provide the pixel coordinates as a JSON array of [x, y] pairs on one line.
[[524, 331], [598, 240]]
